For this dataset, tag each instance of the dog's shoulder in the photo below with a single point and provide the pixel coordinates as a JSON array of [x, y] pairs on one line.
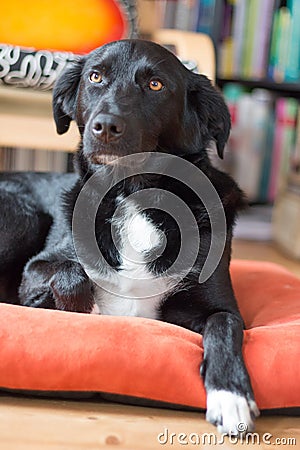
[[232, 197]]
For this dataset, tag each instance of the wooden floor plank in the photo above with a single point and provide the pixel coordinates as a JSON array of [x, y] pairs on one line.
[[35, 424]]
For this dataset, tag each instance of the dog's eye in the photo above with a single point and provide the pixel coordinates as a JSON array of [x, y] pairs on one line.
[[155, 85], [95, 77]]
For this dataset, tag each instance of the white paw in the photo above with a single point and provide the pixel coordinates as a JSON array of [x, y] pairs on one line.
[[233, 414], [95, 309]]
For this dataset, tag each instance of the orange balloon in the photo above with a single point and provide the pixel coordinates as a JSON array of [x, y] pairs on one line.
[[67, 25]]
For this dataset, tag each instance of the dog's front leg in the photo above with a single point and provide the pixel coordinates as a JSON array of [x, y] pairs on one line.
[[230, 401], [52, 281]]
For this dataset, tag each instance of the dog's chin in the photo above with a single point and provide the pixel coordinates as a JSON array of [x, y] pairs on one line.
[[129, 160], [109, 160]]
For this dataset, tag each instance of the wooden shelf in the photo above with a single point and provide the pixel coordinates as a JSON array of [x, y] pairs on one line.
[[285, 89], [26, 120]]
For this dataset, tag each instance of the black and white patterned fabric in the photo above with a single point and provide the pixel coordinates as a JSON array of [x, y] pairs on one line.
[[29, 68]]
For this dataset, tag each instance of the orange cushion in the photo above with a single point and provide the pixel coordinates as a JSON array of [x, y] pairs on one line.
[[60, 351]]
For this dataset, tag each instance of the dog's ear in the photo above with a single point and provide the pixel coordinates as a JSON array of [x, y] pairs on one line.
[[65, 95], [213, 115]]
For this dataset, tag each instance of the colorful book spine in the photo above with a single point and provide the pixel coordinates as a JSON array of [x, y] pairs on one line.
[[283, 46], [290, 133], [261, 41], [225, 57], [242, 158], [274, 44], [239, 20], [284, 142], [292, 72], [259, 125], [206, 16], [182, 16], [250, 31], [267, 161], [194, 15], [277, 148], [169, 13]]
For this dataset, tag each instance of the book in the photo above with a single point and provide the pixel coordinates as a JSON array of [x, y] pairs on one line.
[[23, 159], [251, 135], [284, 143], [194, 15], [169, 13], [41, 161], [213, 16], [206, 16], [261, 40], [267, 161], [292, 72], [249, 149], [283, 44], [225, 57], [242, 158], [273, 43], [60, 161], [252, 14], [280, 44], [183, 14], [238, 28]]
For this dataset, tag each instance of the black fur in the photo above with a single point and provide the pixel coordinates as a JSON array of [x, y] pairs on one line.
[[184, 118]]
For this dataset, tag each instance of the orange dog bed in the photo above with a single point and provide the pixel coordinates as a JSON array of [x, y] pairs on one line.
[[45, 350]]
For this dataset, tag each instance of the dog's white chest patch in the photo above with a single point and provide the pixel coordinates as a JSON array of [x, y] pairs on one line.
[[132, 290]]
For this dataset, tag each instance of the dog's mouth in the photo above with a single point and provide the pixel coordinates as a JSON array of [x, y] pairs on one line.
[[129, 160], [110, 160]]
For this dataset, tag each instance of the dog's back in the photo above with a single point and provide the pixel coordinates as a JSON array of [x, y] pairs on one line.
[[29, 203]]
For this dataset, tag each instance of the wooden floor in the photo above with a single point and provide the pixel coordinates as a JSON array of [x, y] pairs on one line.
[[264, 252], [35, 424], [30, 424]]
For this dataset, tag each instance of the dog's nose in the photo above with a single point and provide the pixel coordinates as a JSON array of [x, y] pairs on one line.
[[108, 127]]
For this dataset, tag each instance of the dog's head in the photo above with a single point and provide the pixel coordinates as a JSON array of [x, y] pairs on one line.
[[135, 96]]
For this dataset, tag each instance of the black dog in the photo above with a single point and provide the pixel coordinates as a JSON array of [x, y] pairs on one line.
[[133, 100]]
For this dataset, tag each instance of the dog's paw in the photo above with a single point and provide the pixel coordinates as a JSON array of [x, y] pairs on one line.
[[72, 289], [231, 413], [39, 299]]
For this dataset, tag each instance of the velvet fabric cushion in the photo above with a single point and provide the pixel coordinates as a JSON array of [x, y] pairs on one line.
[[44, 350]]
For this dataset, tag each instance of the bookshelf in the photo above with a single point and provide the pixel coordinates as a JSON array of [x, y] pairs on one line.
[[284, 89], [258, 68], [257, 48]]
